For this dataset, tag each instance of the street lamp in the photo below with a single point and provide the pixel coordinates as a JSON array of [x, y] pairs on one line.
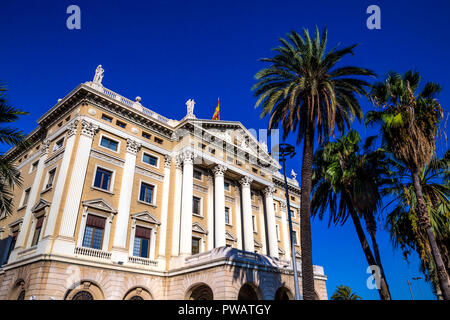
[[286, 150]]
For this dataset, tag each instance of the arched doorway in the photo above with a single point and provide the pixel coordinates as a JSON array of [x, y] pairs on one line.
[[283, 293], [138, 293], [248, 292], [200, 292], [83, 295]]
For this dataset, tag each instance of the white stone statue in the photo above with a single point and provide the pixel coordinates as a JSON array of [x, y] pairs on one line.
[[293, 174], [190, 107], [99, 74]]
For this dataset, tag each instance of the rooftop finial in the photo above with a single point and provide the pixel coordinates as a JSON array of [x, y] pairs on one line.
[[99, 75]]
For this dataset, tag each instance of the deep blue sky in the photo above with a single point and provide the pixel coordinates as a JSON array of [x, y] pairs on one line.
[[170, 51]]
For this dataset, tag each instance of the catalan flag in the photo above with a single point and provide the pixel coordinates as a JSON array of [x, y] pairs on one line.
[[216, 115]]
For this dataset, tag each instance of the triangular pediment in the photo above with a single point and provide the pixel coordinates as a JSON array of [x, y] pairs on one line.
[[280, 251], [257, 243], [145, 216], [234, 132], [41, 204], [298, 255], [230, 236], [197, 227], [99, 204]]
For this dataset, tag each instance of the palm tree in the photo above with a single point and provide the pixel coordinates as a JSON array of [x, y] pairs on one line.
[[348, 183], [9, 175], [402, 219], [304, 91], [409, 124], [344, 293]]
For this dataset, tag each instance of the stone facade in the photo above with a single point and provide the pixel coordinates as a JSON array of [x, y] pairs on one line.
[[127, 204]]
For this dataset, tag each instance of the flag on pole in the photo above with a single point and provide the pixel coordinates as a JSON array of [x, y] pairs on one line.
[[216, 115]]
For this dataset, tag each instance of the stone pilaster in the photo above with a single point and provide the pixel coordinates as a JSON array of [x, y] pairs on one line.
[[164, 208], [177, 206]]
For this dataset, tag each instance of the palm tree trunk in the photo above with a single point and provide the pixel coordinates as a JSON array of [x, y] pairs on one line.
[[376, 251], [424, 219], [305, 215], [368, 252]]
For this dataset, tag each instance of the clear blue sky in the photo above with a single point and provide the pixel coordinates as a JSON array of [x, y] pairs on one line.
[[170, 51]]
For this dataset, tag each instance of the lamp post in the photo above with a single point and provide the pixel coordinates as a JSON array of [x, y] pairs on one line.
[[286, 150]]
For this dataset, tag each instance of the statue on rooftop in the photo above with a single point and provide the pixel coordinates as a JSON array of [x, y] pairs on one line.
[[293, 174], [99, 74], [190, 107]]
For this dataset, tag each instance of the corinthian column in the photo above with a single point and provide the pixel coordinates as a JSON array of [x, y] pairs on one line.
[[186, 204], [75, 188], [249, 244], [210, 211], [219, 194], [126, 189], [164, 206], [177, 206], [271, 222], [20, 242]]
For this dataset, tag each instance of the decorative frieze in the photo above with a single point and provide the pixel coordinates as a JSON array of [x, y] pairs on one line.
[[107, 158], [150, 174]]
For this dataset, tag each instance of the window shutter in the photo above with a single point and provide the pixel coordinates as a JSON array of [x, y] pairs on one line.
[[95, 221], [142, 232]]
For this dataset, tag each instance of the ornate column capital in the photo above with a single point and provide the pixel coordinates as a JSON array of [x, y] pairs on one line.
[[45, 146], [268, 192], [188, 156], [246, 181], [133, 146], [179, 162], [167, 161], [88, 128], [283, 206], [72, 128], [219, 170]]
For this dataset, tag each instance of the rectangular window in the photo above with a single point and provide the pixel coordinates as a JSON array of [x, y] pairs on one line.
[[292, 213], [34, 166], [146, 194], [196, 205], [142, 242], [277, 228], [121, 124], [12, 244], [103, 179], [226, 186], [26, 195], [106, 118], [93, 233], [195, 245], [158, 140], [146, 135], [58, 145], [109, 143], [294, 234], [51, 177], [254, 223], [149, 159], [227, 215], [37, 231], [197, 175]]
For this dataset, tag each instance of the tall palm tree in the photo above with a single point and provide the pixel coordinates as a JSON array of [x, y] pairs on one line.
[[348, 183], [344, 293], [402, 219], [409, 124], [304, 91], [9, 175]]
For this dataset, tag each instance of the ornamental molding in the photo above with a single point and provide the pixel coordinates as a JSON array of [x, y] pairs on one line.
[[167, 161], [146, 217], [230, 236], [88, 128], [197, 227], [100, 155], [133, 146], [200, 188], [230, 199], [99, 204], [149, 173], [40, 204], [257, 243], [219, 170], [280, 251], [268, 191], [246, 181], [55, 158], [72, 128]]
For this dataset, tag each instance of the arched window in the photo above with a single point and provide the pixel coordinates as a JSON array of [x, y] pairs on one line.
[[83, 295], [248, 292], [136, 298]]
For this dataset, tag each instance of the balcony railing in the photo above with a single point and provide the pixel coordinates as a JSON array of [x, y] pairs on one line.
[[93, 253], [143, 261]]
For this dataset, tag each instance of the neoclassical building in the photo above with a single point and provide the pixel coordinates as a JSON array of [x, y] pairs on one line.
[[119, 202]]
